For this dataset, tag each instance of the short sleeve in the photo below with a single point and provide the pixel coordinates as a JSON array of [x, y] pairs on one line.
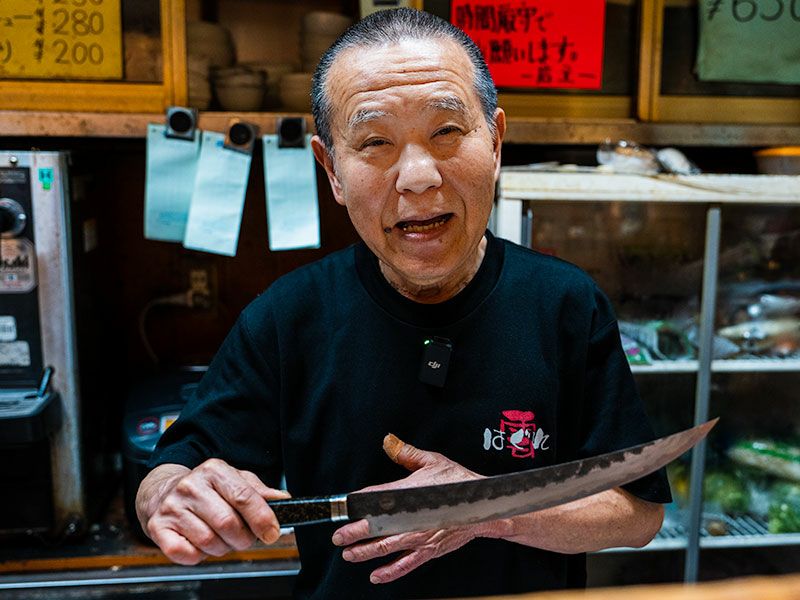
[[234, 414], [614, 415]]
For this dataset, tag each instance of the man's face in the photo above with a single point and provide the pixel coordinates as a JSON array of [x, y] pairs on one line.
[[415, 162]]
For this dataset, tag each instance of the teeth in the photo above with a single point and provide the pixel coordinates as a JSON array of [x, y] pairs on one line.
[[408, 228]]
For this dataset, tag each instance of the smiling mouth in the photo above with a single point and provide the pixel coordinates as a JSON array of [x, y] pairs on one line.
[[421, 226]]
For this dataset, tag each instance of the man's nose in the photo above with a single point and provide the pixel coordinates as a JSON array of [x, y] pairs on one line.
[[417, 171]]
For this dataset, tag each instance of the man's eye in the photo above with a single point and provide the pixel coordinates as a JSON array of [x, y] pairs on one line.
[[447, 130], [373, 143]]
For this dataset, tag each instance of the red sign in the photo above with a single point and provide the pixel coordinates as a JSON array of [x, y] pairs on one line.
[[537, 43]]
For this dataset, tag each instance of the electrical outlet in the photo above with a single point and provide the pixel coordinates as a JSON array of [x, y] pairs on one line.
[[202, 288], [199, 281]]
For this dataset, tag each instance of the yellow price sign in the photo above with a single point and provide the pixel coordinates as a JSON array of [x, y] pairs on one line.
[[60, 39]]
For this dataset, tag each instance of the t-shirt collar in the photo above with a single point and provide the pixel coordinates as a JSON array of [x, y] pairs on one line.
[[431, 315]]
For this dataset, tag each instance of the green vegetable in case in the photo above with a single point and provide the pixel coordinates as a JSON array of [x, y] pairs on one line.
[[777, 458], [729, 492], [784, 510]]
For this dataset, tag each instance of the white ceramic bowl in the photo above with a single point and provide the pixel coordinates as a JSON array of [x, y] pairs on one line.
[[274, 71], [217, 55], [212, 41], [233, 76], [197, 65], [239, 97]]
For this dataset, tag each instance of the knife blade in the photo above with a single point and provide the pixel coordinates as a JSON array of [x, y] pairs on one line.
[[465, 502]]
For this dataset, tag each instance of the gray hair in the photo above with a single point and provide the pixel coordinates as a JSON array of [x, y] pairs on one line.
[[390, 27]]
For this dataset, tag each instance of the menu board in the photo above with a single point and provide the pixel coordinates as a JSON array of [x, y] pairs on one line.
[[60, 39], [537, 43], [749, 40]]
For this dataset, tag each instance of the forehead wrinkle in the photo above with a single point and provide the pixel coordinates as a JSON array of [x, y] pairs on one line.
[[357, 75]]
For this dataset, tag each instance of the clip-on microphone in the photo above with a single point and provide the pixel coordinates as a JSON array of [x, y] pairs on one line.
[[435, 361]]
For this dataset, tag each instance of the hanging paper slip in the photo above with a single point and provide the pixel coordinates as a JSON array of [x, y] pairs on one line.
[[755, 41], [171, 167], [292, 206], [215, 214]]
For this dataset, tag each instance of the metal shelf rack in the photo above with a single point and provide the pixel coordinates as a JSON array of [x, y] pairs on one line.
[[740, 365]]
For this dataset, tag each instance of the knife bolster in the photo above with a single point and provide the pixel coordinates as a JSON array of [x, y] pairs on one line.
[[305, 511], [339, 508]]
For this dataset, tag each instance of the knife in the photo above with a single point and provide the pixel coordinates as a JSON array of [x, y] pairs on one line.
[[446, 505]]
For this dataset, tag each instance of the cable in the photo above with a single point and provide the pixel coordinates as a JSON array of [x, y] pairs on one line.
[[186, 299]]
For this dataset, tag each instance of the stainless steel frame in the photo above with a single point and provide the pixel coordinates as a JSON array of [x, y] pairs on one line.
[[57, 317]]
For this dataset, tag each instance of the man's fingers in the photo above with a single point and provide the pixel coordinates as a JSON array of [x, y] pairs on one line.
[[266, 492], [351, 533], [248, 505], [201, 535], [176, 547], [379, 547], [402, 566], [405, 454]]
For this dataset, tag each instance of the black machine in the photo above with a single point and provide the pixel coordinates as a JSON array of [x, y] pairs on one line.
[[152, 405], [47, 463]]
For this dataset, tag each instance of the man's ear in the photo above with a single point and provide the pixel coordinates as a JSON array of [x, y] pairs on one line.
[[500, 132], [324, 158]]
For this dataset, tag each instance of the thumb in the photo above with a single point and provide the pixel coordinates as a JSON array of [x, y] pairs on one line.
[[405, 454]]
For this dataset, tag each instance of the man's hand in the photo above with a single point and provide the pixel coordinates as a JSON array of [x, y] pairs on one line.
[[428, 468], [206, 511]]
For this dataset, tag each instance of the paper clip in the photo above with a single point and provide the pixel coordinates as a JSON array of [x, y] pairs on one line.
[[291, 132], [241, 136], [181, 123]]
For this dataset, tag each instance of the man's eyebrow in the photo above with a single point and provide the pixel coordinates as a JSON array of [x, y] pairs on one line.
[[449, 103], [364, 116]]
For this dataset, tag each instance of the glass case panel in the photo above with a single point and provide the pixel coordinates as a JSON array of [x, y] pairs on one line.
[[647, 257], [758, 304], [752, 474]]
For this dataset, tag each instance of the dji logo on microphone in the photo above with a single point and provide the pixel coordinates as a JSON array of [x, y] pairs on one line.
[[435, 361]]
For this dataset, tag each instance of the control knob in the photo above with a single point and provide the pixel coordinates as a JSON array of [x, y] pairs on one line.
[[12, 218]]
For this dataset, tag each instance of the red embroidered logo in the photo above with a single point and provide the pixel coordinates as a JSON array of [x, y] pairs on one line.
[[517, 432]]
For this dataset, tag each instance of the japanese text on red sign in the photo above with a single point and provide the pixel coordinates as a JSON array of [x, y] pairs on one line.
[[537, 43]]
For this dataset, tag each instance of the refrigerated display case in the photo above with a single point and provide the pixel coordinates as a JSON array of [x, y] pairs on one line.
[[704, 274]]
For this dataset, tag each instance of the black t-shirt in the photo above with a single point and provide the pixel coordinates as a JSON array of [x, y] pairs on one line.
[[322, 365]]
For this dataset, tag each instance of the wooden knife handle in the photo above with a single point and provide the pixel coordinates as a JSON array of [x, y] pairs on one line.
[[305, 511]]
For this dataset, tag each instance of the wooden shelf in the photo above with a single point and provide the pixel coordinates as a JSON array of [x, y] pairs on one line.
[[520, 130], [116, 125]]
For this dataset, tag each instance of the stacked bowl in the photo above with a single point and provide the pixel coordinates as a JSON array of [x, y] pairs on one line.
[[240, 88], [208, 46], [198, 80], [212, 41], [320, 29], [273, 71]]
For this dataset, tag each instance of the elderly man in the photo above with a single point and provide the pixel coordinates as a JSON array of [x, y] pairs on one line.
[[326, 362]]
